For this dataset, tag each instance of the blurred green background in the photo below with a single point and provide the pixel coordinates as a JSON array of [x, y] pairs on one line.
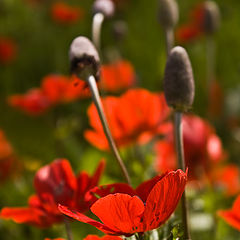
[[42, 48]]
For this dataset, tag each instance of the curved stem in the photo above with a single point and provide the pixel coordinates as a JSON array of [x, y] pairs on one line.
[[169, 38], [181, 162], [97, 101], [68, 229], [96, 29]]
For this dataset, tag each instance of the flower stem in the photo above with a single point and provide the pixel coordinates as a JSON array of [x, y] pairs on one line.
[[181, 162], [97, 101], [68, 229], [169, 38], [98, 19]]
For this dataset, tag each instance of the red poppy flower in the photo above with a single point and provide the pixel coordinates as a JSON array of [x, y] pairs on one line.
[[202, 148], [8, 50], [106, 237], [136, 116], [227, 178], [60, 88], [138, 213], [34, 102], [63, 13], [117, 76], [194, 29], [54, 183], [232, 216]]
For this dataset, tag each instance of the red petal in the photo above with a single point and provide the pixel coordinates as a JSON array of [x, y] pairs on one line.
[[104, 190], [119, 212], [145, 188], [56, 179], [107, 237], [163, 199], [98, 173], [82, 218]]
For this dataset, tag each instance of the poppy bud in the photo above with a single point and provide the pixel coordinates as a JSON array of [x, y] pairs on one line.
[[168, 13], [211, 17], [84, 58], [106, 7], [178, 80]]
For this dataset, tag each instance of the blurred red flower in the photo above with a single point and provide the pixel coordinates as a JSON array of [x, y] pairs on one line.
[[8, 50], [54, 89], [232, 216], [194, 28], [8, 160], [136, 116], [138, 213], [54, 183], [66, 14], [117, 76], [106, 237], [202, 148], [227, 178], [33, 102]]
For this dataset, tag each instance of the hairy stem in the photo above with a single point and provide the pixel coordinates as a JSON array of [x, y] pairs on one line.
[[181, 162], [97, 101], [68, 229]]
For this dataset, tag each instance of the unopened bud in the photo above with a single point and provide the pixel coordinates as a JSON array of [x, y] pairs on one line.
[[178, 80], [168, 13], [84, 58], [106, 7], [120, 29], [211, 17]]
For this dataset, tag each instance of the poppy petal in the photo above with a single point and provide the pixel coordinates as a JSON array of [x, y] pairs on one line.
[[82, 218], [119, 212], [163, 199]]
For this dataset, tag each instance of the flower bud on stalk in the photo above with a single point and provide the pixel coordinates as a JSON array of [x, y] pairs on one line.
[[84, 58], [179, 92], [211, 17], [178, 80], [85, 63], [106, 7], [168, 13]]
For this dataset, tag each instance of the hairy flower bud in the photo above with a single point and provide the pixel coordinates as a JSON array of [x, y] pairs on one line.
[[106, 7], [211, 17], [168, 13], [178, 80], [84, 58]]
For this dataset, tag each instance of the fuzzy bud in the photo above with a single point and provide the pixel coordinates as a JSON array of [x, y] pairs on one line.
[[178, 80], [84, 58], [106, 7], [168, 13], [211, 17]]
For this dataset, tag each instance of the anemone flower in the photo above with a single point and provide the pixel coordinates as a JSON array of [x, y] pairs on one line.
[[124, 214]]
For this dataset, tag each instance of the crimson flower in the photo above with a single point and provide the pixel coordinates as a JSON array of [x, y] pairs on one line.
[[33, 102], [194, 28], [124, 214], [232, 216], [136, 116], [54, 89], [54, 183], [8, 50], [202, 148], [117, 76], [106, 237], [65, 14], [227, 178]]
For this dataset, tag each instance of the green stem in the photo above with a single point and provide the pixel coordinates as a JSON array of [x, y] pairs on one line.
[[97, 101], [68, 229], [181, 162]]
